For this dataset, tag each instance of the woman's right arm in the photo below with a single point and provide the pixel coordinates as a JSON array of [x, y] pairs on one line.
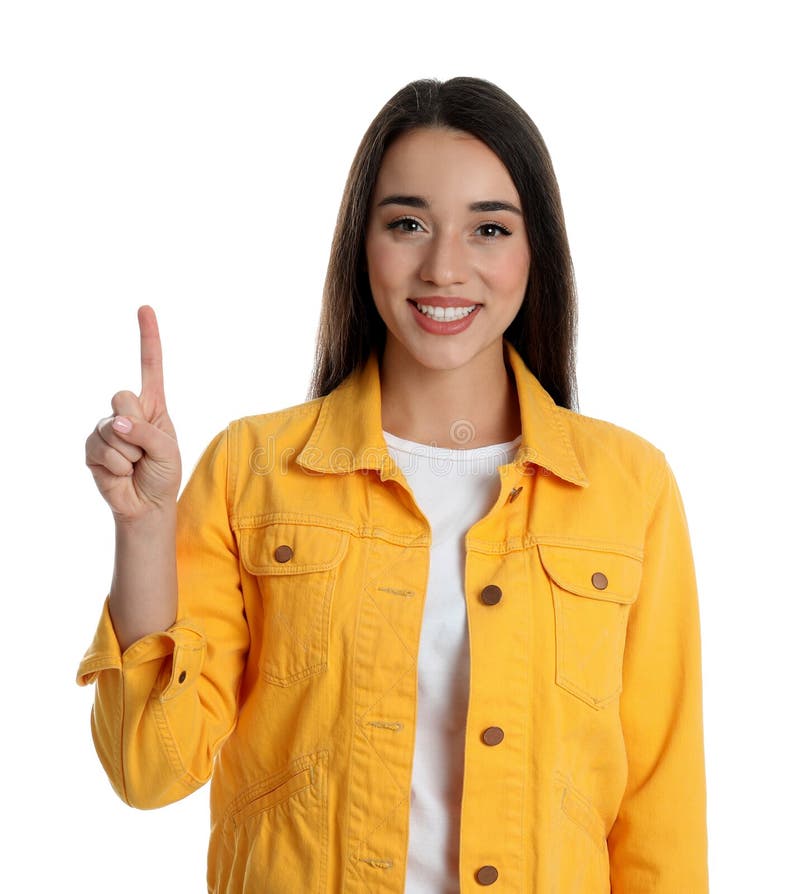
[[170, 647], [134, 458]]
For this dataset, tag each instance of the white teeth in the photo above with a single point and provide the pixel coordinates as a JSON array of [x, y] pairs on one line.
[[446, 314]]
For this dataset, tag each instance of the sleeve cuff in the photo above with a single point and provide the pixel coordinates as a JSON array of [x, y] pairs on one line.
[[184, 641]]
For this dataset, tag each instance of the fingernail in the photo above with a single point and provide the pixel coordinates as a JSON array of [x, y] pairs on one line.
[[122, 424]]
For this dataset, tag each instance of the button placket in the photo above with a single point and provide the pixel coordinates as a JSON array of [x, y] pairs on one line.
[[492, 735]]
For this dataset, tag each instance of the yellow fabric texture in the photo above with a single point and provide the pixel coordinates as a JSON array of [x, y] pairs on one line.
[[291, 683]]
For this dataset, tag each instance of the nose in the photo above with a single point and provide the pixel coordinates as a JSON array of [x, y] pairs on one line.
[[444, 261]]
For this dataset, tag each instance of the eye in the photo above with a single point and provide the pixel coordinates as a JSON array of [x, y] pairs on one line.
[[405, 224], [493, 230]]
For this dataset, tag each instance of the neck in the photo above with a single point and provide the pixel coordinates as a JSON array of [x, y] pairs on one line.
[[472, 406]]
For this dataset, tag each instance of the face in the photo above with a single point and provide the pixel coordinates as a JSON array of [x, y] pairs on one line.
[[447, 252]]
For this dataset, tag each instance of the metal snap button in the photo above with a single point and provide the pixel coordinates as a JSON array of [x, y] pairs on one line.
[[487, 875], [493, 735], [491, 595], [599, 580], [283, 553]]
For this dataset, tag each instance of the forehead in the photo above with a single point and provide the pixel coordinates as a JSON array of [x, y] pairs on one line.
[[444, 164]]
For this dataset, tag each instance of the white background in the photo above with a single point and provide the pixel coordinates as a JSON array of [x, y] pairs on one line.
[[192, 156]]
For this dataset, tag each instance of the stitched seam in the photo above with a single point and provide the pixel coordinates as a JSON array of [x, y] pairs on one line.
[[392, 628], [170, 749], [101, 663], [380, 698], [246, 522], [286, 625], [267, 784], [632, 550], [597, 831], [495, 548], [381, 864], [528, 687], [321, 781], [319, 425], [381, 824], [381, 573], [528, 541], [303, 409], [231, 468], [356, 720], [568, 447], [660, 484], [119, 720], [239, 820], [265, 519]]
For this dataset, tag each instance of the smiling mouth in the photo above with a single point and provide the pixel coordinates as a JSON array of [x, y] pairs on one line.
[[445, 314]]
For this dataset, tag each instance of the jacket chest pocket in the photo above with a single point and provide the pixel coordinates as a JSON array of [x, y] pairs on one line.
[[593, 590], [296, 567]]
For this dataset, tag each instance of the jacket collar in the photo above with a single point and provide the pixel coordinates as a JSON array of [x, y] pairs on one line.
[[348, 434]]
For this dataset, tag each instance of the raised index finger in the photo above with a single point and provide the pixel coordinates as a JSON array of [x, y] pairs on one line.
[[152, 370]]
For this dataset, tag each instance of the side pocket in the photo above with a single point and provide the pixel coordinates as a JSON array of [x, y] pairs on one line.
[[276, 831], [593, 590], [578, 855], [295, 567], [581, 812]]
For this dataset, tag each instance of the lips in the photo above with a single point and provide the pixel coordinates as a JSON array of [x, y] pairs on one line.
[[444, 316]]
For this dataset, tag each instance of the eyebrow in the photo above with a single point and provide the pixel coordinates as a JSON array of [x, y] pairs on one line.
[[419, 202]]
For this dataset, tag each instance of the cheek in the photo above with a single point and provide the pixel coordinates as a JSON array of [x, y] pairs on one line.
[[386, 265], [509, 271]]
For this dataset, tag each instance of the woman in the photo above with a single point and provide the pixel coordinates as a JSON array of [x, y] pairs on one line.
[[432, 630]]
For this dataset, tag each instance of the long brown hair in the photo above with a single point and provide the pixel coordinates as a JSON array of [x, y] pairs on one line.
[[545, 328]]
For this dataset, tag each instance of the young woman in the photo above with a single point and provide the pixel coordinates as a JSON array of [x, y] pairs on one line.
[[432, 630]]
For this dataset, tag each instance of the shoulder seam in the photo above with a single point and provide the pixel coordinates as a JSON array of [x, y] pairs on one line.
[[660, 477], [231, 472], [296, 410]]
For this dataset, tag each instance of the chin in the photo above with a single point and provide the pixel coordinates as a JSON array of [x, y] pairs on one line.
[[445, 355]]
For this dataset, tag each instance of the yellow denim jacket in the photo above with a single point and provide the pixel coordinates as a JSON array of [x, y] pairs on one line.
[[291, 670]]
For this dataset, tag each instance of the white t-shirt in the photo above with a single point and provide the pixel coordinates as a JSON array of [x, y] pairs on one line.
[[454, 489]]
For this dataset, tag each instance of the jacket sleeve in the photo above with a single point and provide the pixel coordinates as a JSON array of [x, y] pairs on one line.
[[658, 843], [165, 705]]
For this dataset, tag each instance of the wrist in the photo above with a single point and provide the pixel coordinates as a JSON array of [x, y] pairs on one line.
[[157, 519]]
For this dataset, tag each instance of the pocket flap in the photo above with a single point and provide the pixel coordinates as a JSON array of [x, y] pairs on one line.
[[302, 548], [596, 573]]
